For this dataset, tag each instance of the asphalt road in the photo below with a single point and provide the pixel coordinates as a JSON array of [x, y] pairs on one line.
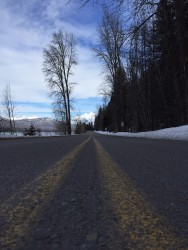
[[93, 192], [24, 159]]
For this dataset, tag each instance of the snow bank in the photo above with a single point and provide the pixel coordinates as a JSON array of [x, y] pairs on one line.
[[177, 133]]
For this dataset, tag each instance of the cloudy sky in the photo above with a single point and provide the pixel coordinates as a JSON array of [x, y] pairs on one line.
[[26, 28]]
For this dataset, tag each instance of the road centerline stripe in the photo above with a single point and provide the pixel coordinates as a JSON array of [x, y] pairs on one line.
[[138, 222], [22, 210]]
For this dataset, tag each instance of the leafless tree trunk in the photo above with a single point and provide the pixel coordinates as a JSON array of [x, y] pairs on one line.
[[9, 108], [59, 112], [2, 125], [59, 59]]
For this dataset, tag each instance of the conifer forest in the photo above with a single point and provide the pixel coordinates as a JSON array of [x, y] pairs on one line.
[[145, 59]]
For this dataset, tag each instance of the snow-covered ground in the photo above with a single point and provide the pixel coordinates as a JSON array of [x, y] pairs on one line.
[[176, 133], [20, 134]]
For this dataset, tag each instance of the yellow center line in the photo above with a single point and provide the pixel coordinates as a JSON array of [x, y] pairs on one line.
[[139, 223], [22, 210]]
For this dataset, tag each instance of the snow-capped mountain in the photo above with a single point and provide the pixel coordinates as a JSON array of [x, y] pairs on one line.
[[87, 117]]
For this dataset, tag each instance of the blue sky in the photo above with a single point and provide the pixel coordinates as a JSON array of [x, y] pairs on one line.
[[26, 28]]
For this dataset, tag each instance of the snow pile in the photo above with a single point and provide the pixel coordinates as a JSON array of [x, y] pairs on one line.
[[177, 133]]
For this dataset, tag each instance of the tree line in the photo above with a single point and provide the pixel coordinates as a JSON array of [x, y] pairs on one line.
[[82, 127], [145, 60]]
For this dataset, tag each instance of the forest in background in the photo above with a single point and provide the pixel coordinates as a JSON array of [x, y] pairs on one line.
[[145, 58]]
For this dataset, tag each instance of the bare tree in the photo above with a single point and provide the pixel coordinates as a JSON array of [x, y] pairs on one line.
[[111, 52], [9, 108], [59, 59], [111, 40]]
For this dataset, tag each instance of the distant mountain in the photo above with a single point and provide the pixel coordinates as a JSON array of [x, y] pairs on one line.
[[87, 117], [44, 124]]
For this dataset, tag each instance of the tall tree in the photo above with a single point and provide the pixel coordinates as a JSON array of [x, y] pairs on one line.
[[150, 90], [9, 108], [110, 51], [59, 59]]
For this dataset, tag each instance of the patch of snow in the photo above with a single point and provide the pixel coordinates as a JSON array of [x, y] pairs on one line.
[[20, 135], [26, 118], [176, 133]]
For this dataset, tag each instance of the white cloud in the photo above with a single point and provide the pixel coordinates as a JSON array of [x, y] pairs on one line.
[[87, 74], [55, 9], [32, 109], [23, 70], [22, 40]]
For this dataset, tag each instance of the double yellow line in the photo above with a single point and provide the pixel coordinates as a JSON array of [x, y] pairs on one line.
[[141, 227], [138, 223], [22, 210]]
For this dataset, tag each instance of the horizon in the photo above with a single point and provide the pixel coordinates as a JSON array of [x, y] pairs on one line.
[[86, 117]]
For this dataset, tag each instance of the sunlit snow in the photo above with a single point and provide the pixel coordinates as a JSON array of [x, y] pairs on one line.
[[176, 133]]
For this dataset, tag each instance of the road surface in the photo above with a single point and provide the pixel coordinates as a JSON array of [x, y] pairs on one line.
[[93, 192]]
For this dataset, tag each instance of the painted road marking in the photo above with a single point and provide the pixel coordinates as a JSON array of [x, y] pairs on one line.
[[22, 210], [141, 226]]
